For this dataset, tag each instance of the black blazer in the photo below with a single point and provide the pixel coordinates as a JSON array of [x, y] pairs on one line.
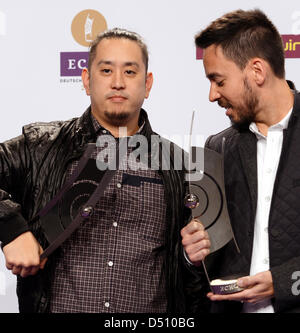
[[240, 167]]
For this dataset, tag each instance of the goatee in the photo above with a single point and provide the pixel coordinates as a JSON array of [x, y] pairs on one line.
[[117, 119], [247, 111]]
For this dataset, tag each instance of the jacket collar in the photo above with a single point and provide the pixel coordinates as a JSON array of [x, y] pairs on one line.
[[86, 129], [247, 146], [248, 152], [296, 110]]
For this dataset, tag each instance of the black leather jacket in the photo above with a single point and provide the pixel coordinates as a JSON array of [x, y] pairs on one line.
[[33, 169]]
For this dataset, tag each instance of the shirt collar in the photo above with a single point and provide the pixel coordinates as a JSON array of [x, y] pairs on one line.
[[281, 125], [99, 129]]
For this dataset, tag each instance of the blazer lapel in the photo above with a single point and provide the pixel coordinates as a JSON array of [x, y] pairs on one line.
[[248, 152]]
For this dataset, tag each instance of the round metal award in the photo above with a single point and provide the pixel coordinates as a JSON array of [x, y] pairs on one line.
[[224, 286]]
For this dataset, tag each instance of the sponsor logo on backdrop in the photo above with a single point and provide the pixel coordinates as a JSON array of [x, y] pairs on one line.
[[72, 63], [2, 24], [85, 26], [291, 45]]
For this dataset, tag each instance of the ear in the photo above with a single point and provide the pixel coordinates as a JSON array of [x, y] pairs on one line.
[[258, 69], [85, 76], [149, 82]]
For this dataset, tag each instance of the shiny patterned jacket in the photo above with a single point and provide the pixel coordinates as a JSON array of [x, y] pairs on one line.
[[33, 168]]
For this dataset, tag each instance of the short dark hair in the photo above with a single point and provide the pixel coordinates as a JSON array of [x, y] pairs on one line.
[[118, 33], [244, 35]]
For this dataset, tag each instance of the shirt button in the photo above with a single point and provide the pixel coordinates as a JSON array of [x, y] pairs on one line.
[[119, 185], [266, 229], [104, 131], [268, 198], [110, 263], [266, 261], [115, 224], [106, 304], [269, 170]]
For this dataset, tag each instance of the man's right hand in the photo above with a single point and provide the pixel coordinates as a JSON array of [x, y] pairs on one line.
[[22, 255]]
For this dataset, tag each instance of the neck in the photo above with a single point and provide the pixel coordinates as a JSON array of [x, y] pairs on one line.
[[276, 103], [119, 129]]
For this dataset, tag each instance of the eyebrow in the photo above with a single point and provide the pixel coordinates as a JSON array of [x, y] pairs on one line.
[[126, 64], [214, 76]]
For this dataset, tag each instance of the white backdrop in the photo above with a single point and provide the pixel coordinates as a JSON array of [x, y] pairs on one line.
[[33, 33]]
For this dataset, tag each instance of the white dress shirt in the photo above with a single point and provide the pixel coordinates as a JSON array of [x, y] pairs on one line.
[[268, 155]]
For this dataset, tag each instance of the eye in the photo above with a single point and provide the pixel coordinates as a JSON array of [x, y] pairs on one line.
[[105, 70], [130, 72], [220, 83]]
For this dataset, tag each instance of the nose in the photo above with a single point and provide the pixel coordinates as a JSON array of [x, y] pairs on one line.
[[214, 95], [118, 81]]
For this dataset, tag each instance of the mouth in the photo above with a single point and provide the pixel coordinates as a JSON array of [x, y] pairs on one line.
[[228, 107], [117, 99], [228, 111]]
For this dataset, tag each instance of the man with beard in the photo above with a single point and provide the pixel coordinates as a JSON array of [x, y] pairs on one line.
[[244, 62], [125, 257]]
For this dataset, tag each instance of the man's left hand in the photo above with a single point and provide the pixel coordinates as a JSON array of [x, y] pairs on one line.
[[257, 288], [195, 241]]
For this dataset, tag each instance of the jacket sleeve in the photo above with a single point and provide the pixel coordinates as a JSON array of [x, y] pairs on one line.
[[14, 161]]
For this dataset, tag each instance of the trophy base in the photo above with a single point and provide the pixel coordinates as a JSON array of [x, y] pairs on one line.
[[225, 286]]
